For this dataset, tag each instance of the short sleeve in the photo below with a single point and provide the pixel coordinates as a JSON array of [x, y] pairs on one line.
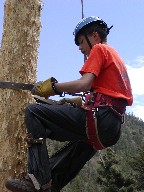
[[95, 61]]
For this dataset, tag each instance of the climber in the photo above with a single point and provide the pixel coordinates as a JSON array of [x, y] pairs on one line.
[[89, 126]]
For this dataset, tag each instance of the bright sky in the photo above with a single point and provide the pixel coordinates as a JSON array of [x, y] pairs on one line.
[[59, 56]]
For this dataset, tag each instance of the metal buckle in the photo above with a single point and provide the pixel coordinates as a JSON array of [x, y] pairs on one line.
[[30, 141]]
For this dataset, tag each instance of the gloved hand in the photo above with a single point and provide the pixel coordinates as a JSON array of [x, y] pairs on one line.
[[45, 88], [75, 102]]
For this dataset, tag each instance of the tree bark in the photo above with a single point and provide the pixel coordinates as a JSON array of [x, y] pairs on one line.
[[18, 62]]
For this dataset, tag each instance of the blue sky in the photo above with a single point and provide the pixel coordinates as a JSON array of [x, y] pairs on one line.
[[59, 56]]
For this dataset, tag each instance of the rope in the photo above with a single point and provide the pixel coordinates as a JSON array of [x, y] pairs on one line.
[[101, 158], [82, 4], [82, 9]]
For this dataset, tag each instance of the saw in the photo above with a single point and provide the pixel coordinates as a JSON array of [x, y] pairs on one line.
[[29, 87], [13, 85], [26, 86]]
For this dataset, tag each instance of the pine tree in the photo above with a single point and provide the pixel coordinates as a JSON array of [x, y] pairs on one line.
[[138, 167], [111, 178]]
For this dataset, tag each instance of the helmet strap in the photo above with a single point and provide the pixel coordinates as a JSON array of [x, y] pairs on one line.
[[88, 41]]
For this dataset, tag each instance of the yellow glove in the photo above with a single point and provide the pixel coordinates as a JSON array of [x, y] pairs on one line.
[[45, 88]]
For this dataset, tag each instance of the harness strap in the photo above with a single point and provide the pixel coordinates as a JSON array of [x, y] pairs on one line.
[[94, 100], [46, 186], [34, 181], [92, 131], [101, 100], [36, 184]]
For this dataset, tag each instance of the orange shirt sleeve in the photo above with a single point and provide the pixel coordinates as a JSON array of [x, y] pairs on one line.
[[95, 61]]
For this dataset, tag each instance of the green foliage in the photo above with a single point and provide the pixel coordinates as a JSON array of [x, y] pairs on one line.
[[111, 177], [132, 136], [137, 163]]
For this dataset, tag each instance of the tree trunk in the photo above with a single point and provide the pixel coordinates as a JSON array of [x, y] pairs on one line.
[[18, 62]]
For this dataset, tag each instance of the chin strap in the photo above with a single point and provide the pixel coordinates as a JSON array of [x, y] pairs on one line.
[[87, 39]]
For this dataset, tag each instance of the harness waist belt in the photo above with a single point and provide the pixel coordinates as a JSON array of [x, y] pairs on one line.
[[94, 100]]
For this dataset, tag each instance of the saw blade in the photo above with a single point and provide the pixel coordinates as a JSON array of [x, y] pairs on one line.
[[13, 85]]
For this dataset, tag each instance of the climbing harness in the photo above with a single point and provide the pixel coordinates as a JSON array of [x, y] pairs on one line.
[[94, 101]]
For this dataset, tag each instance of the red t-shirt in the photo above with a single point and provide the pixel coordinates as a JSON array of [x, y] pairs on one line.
[[111, 74]]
